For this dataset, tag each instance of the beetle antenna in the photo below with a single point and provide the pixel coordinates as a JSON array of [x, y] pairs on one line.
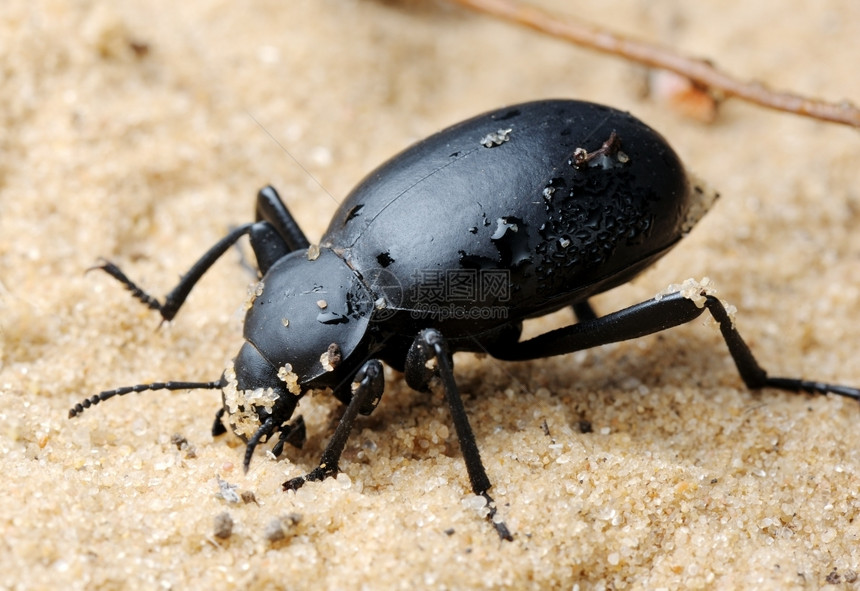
[[265, 430], [93, 400]]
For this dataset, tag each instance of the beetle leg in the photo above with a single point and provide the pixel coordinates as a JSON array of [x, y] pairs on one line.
[[275, 234], [218, 427], [266, 239], [584, 311], [294, 433], [369, 383], [271, 208], [267, 244], [430, 346], [174, 300], [265, 430], [654, 316]]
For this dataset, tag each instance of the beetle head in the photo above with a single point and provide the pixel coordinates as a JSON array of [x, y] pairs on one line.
[[306, 328], [255, 397]]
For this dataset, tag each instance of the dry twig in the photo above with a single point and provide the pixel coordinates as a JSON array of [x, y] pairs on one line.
[[701, 72]]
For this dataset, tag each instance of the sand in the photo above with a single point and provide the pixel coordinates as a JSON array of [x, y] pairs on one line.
[[141, 132]]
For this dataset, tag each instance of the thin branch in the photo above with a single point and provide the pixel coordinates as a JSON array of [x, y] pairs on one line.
[[700, 71]]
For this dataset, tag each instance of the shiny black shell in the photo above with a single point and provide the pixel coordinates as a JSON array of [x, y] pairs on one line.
[[501, 195]]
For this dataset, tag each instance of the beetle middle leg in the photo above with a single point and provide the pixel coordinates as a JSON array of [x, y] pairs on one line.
[[654, 316], [430, 346]]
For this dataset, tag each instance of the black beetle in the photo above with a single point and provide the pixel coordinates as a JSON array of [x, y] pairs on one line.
[[448, 247]]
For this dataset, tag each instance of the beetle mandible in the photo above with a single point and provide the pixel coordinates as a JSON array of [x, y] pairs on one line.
[[509, 215]]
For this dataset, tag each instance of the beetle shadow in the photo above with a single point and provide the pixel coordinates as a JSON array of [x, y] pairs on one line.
[[650, 389], [667, 375]]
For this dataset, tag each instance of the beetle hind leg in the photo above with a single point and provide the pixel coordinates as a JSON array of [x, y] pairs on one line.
[[756, 377], [653, 316]]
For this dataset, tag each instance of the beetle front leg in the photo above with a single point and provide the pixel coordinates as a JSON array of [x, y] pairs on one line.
[[218, 427], [367, 386], [271, 208], [428, 347], [273, 235], [174, 300]]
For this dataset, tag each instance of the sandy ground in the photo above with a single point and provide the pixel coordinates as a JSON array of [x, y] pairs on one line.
[[140, 131]]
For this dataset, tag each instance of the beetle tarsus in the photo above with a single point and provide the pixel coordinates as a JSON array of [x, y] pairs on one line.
[[753, 374], [798, 385], [500, 526], [294, 483], [115, 272], [319, 473]]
